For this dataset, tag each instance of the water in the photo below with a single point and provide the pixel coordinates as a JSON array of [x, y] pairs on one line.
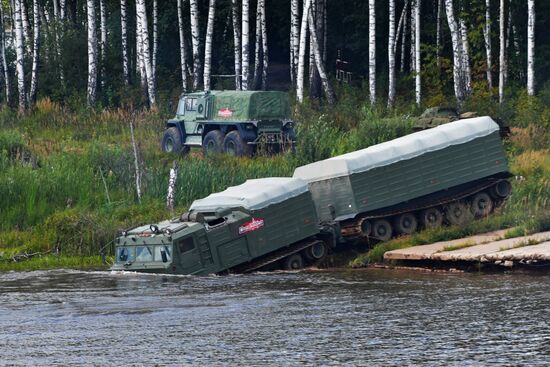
[[374, 317]]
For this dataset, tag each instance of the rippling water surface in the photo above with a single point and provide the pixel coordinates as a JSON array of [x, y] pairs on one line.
[[374, 317]]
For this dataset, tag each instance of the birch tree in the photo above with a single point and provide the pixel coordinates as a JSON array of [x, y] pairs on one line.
[[418, 84], [141, 14], [3, 55], [92, 53], [372, 52], [103, 39], [236, 43], [302, 53], [457, 52], [404, 39], [35, 51], [466, 70], [124, 36], [391, 53], [155, 39], [19, 50], [25, 26], [245, 44], [265, 50], [257, 48], [329, 92], [487, 37], [208, 43], [502, 66], [531, 48], [195, 38], [294, 38], [183, 47], [438, 35]]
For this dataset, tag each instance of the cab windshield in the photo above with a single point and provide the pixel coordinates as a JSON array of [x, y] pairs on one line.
[[156, 253], [181, 107]]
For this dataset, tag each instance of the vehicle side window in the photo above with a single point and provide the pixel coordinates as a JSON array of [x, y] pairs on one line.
[[191, 104], [186, 245], [181, 107]]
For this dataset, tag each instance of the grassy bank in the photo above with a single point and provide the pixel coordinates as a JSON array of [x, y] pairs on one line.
[[68, 185]]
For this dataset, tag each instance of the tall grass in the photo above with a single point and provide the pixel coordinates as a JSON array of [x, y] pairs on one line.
[[67, 180]]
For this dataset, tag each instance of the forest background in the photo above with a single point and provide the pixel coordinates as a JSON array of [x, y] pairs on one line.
[[74, 73]]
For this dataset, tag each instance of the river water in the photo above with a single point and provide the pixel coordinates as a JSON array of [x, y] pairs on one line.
[[369, 318]]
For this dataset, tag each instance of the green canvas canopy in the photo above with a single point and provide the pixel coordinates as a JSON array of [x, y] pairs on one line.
[[250, 105]]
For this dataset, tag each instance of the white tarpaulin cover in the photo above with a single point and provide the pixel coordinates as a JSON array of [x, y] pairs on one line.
[[399, 149], [253, 194]]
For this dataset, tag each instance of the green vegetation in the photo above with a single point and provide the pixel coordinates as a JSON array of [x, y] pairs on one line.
[[67, 181]]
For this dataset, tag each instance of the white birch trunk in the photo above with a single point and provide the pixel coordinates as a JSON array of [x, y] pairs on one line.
[[417, 66], [329, 92], [302, 53], [20, 54], [55, 9], [26, 26], [372, 52], [265, 50], [195, 38], [531, 48], [140, 64], [438, 36], [3, 55], [467, 72], [457, 52], [155, 39], [208, 43], [294, 38], [236, 43], [413, 39], [312, 70], [404, 39], [124, 36], [103, 39], [171, 196], [35, 51], [487, 37], [502, 66], [257, 48], [183, 47], [92, 53], [136, 160], [245, 44], [391, 54], [144, 31], [62, 8]]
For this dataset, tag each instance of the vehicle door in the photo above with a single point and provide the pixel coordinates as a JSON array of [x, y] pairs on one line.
[[188, 253]]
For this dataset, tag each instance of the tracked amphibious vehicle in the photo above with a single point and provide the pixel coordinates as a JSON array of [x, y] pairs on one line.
[[443, 175]]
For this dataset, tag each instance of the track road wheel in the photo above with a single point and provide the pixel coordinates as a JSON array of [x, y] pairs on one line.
[[381, 230], [171, 142], [482, 205], [233, 144], [316, 252], [293, 262], [406, 223], [431, 218], [212, 142], [366, 228], [457, 213]]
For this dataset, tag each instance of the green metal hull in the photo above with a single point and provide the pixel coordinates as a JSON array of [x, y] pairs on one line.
[[344, 197]]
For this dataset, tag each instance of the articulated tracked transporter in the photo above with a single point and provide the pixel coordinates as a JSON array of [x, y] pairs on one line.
[[443, 175]]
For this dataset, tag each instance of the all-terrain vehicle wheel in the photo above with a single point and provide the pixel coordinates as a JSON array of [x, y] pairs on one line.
[[293, 262], [234, 145], [482, 205], [171, 142], [381, 230], [431, 218], [213, 142], [316, 252], [406, 223], [457, 213]]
